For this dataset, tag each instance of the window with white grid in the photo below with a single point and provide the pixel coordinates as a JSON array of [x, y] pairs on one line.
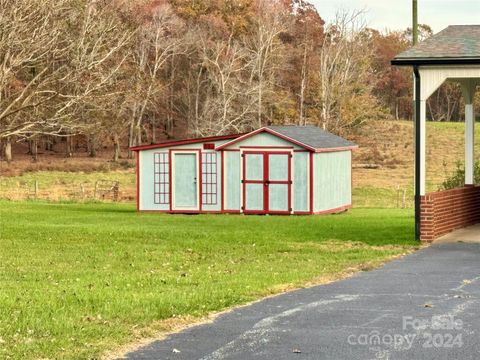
[[209, 178], [161, 183]]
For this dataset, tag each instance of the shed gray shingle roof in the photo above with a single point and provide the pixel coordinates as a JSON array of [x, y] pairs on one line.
[[456, 42], [313, 137]]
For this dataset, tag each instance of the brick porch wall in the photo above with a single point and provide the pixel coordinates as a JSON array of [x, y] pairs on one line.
[[444, 211]]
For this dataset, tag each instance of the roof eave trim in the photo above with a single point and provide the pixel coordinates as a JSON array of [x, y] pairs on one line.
[[343, 148], [184, 142], [270, 131], [435, 61]]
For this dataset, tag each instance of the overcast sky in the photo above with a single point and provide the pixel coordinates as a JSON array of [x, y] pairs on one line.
[[396, 14]]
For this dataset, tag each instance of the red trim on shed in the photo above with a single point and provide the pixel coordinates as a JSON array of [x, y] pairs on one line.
[[161, 166], [170, 179], [236, 212], [311, 183], [199, 176], [266, 147], [270, 131], [290, 182], [222, 179], [351, 177], [266, 182], [266, 191], [137, 157], [289, 139], [350, 148], [184, 142], [334, 211]]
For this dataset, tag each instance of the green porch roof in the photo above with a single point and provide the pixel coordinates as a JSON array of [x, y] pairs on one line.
[[457, 44]]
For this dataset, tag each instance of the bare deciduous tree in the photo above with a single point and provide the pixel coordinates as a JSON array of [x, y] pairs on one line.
[[227, 102], [156, 43], [264, 47], [53, 64], [345, 89], [28, 65]]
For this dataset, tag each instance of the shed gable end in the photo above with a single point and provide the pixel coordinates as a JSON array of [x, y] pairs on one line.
[[260, 140]]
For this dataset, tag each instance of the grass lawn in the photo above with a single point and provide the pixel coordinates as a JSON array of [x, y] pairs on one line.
[[77, 280]]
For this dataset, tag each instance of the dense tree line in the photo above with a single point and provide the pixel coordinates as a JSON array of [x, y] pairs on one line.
[[135, 72]]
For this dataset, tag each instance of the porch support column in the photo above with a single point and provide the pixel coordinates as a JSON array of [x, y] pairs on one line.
[[420, 120], [468, 89], [422, 146]]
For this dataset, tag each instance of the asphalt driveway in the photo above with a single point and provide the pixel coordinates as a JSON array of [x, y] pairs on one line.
[[424, 306]]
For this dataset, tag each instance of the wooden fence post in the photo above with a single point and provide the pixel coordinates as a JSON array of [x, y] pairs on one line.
[[96, 189], [398, 196]]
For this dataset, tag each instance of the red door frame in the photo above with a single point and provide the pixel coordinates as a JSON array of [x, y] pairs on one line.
[[199, 179], [266, 182]]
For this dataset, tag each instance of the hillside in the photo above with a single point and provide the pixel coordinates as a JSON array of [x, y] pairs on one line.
[[389, 144]]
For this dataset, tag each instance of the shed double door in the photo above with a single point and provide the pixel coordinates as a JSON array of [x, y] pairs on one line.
[[266, 182]]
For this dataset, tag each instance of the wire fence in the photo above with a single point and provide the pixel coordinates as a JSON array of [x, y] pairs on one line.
[[394, 197], [103, 190], [111, 190]]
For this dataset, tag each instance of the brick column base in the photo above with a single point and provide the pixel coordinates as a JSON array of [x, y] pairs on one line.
[[444, 211]]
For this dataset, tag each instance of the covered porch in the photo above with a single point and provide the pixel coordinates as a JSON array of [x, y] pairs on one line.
[[469, 234], [451, 55]]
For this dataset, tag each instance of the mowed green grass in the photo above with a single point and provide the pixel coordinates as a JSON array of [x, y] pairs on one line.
[[77, 280]]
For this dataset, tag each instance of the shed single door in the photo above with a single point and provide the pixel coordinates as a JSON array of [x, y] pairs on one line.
[[266, 182], [185, 181]]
